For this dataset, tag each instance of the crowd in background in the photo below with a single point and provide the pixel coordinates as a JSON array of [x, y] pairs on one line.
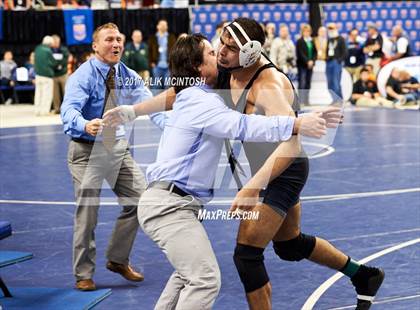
[[51, 63], [362, 57], [94, 4]]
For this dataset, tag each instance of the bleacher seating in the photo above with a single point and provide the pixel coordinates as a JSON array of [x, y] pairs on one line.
[[205, 18]]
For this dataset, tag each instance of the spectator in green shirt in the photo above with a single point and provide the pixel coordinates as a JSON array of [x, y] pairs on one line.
[[136, 55], [61, 56], [44, 70]]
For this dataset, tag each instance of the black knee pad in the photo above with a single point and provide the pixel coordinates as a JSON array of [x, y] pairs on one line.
[[249, 262], [295, 249]]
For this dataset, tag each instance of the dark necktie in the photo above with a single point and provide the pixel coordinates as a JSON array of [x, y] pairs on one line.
[[108, 133], [235, 166]]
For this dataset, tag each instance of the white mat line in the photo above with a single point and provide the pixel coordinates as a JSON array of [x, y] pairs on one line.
[[311, 301], [31, 134], [339, 196], [365, 168], [226, 202], [146, 145], [381, 301], [147, 127], [376, 234], [379, 125], [52, 229], [364, 194]]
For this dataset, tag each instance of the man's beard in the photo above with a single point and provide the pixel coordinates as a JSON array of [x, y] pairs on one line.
[[227, 69]]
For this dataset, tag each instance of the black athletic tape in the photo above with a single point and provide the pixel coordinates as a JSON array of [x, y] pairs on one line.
[[295, 249]]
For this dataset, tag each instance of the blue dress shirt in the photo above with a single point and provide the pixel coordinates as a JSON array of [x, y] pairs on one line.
[[85, 95], [162, 41], [192, 140]]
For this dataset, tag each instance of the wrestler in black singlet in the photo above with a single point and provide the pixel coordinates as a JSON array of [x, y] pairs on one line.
[[283, 192]]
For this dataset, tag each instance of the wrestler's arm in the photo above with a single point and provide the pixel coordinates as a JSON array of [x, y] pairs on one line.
[[276, 104], [128, 113], [159, 103]]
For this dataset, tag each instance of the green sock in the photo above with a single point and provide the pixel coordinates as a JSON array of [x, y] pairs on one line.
[[350, 268]]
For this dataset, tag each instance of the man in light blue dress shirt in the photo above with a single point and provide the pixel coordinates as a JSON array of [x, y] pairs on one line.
[[91, 161], [181, 179]]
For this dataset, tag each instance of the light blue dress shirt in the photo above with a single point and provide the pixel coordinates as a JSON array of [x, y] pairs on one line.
[[85, 95], [192, 140]]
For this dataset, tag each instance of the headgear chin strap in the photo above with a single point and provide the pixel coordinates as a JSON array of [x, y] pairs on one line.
[[250, 52], [227, 69]]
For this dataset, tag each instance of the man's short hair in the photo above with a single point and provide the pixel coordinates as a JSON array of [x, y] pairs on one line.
[[104, 26], [251, 27], [47, 40], [372, 26], [221, 24], [304, 27], [186, 56]]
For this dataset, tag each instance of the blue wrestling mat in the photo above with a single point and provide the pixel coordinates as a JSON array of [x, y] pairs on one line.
[[44, 298], [11, 257], [362, 195]]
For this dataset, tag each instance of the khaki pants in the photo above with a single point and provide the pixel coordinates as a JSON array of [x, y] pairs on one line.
[[376, 63], [171, 222], [59, 86], [354, 72], [90, 165], [376, 102], [43, 95]]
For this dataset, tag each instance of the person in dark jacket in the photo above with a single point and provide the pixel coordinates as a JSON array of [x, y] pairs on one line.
[[7, 67], [306, 55], [366, 93], [336, 54], [136, 55], [160, 45], [400, 43], [373, 48], [355, 58]]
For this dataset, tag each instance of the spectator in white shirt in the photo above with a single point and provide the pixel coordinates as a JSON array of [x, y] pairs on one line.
[[400, 43], [283, 51]]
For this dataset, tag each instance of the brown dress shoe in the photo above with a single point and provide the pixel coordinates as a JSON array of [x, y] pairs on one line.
[[86, 285], [126, 271]]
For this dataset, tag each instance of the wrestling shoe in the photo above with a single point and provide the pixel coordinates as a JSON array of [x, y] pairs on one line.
[[367, 282]]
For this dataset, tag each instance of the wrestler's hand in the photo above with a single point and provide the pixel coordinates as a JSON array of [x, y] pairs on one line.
[[311, 125], [119, 115], [332, 115], [94, 127], [246, 199]]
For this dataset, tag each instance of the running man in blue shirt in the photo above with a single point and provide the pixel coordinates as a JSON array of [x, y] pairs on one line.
[[97, 153]]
